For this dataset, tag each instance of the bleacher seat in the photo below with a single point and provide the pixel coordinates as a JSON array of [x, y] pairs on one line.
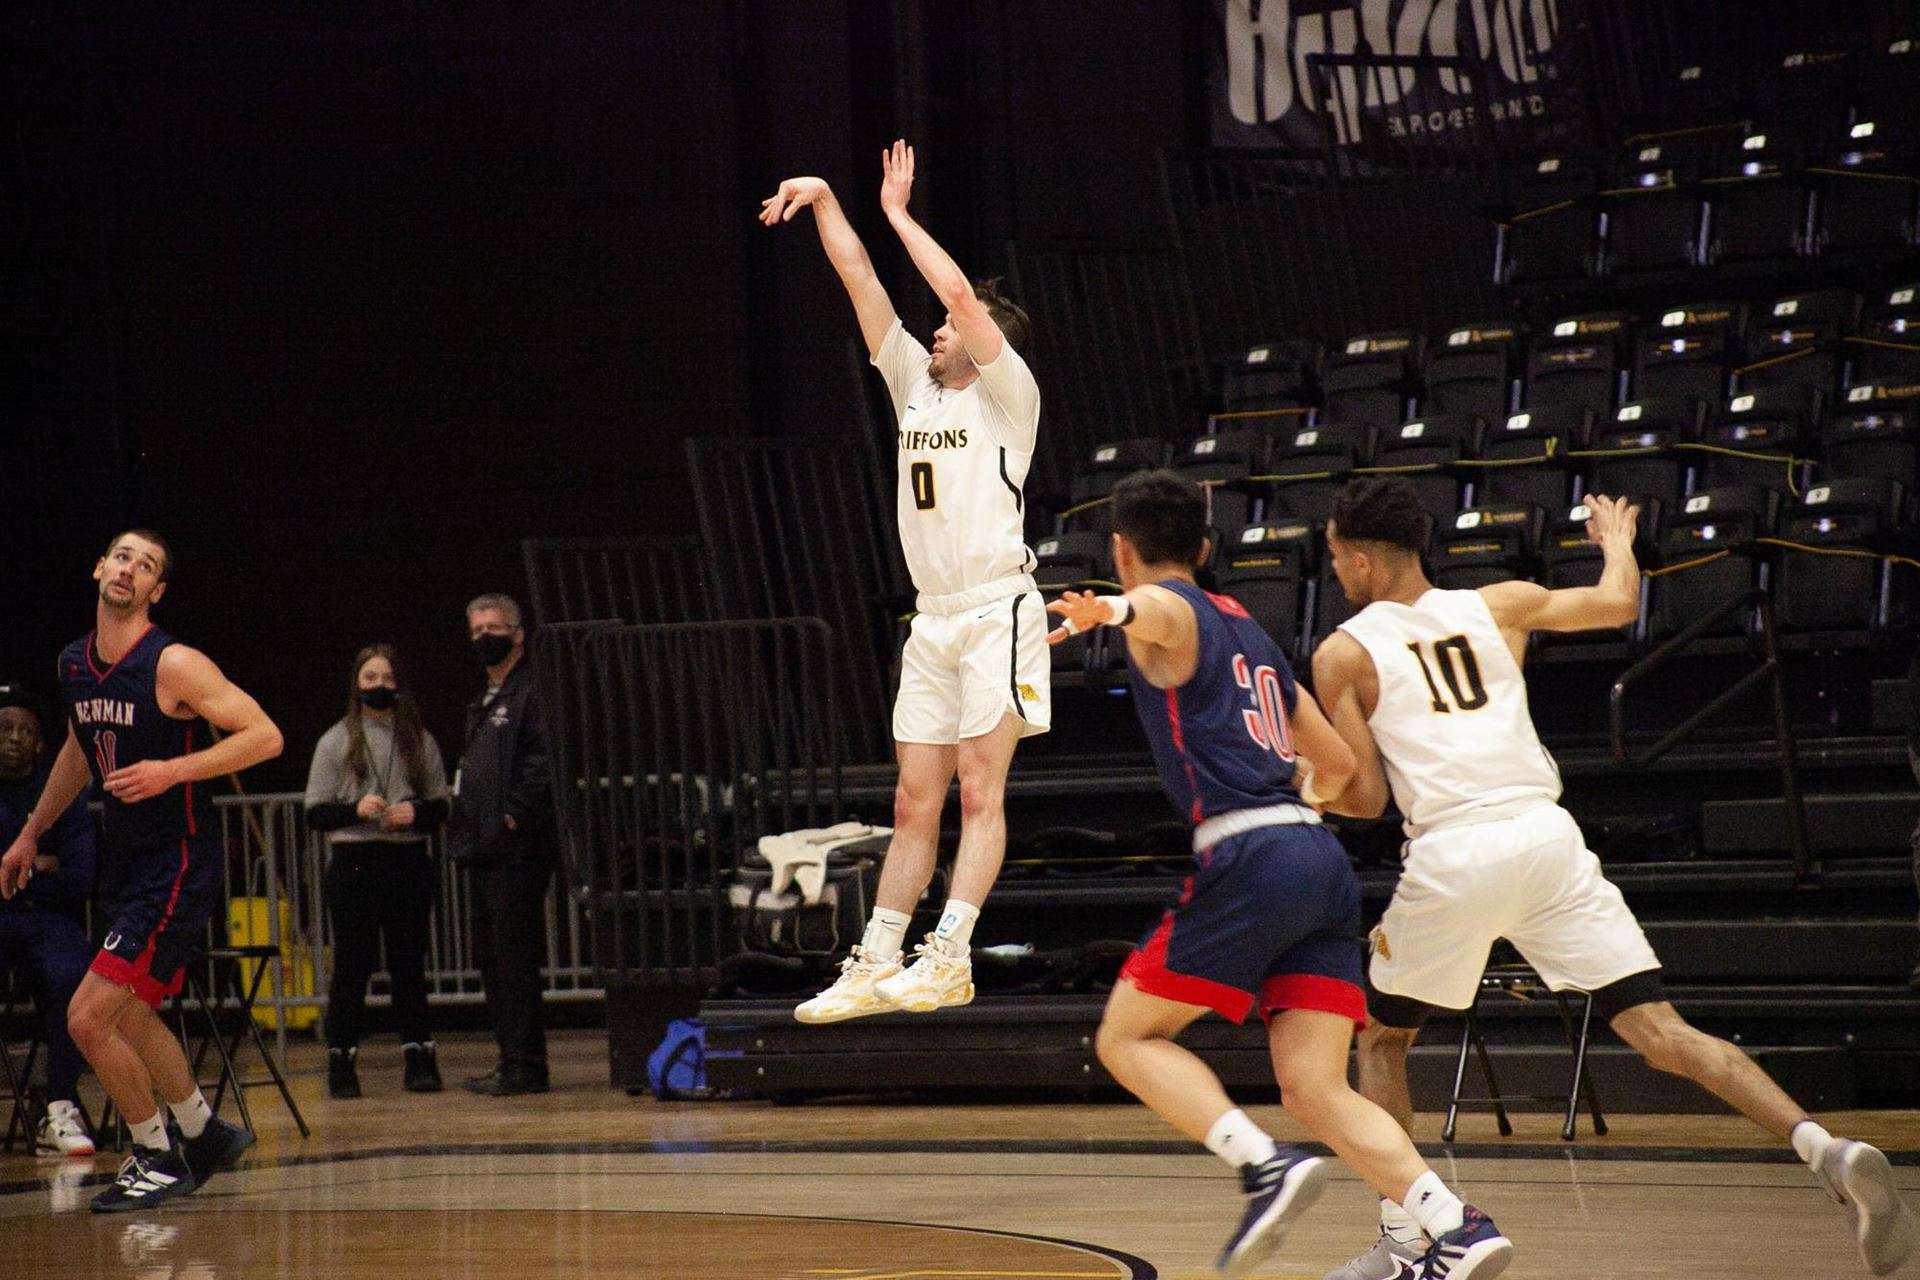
[[1756, 199], [1875, 431], [1528, 459], [1725, 519], [1640, 451], [1548, 226], [1582, 360], [1652, 204], [1690, 350], [1269, 568], [1222, 462], [1886, 348], [1428, 453], [1868, 192], [1800, 341], [1474, 369], [1884, 87], [1760, 438], [1270, 378], [1104, 466], [1311, 465], [1484, 545], [1371, 378], [1843, 593], [1568, 558]]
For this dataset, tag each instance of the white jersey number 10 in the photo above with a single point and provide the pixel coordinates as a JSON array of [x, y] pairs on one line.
[[1458, 666]]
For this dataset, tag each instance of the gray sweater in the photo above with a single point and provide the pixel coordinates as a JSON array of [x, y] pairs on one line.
[[328, 781]]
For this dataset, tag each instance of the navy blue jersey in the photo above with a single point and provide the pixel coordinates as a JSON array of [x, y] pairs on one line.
[[1223, 740], [117, 718]]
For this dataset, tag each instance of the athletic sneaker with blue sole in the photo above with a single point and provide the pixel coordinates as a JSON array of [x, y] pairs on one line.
[[1278, 1191], [1474, 1250]]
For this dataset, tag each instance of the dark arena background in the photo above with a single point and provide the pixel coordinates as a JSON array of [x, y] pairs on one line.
[[372, 310]]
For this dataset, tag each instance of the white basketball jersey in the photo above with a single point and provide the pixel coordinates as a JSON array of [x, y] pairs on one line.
[[963, 459], [1452, 721]]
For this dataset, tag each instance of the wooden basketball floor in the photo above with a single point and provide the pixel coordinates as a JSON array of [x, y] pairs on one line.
[[586, 1182]]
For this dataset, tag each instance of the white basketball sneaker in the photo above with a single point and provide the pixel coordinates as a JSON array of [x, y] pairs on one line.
[[937, 979], [1859, 1177], [853, 994], [61, 1131], [1387, 1260]]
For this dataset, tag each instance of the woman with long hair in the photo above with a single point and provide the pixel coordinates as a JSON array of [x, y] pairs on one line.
[[378, 788]]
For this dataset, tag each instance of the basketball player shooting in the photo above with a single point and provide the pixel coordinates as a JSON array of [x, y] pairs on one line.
[[1426, 687], [1270, 917], [974, 674], [138, 705]]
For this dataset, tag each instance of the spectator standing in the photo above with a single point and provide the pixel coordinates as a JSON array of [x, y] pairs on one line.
[[501, 827], [378, 789]]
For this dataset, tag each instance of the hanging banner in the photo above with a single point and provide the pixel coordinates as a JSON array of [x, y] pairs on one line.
[[1265, 92]]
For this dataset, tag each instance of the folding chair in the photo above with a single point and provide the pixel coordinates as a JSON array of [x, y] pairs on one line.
[[225, 966], [28, 1105], [1520, 982]]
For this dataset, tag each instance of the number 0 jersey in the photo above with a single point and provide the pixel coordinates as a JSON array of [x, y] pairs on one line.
[[115, 713], [1452, 721], [963, 459], [1224, 739]]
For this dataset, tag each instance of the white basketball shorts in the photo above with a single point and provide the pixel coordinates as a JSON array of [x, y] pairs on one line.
[[1529, 879], [960, 673]]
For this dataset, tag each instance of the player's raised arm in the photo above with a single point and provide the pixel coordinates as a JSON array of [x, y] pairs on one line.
[[1612, 602], [188, 678], [978, 332], [1341, 671], [844, 250]]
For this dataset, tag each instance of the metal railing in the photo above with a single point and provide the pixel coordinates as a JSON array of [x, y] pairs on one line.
[[632, 579], [1769, 670], [276, 862]]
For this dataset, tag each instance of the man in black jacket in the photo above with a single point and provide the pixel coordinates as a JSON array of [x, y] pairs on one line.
[[501, 827]]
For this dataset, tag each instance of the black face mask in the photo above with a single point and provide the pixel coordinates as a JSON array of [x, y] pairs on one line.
[[378, 698], [490, 648]]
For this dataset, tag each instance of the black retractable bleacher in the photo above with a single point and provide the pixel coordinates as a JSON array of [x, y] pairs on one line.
[[1371, 378], [1104, 466], [1548, 226], [1428, 452], [1484, 545], [1853, 592], [1223, 462], [1800, 340], [1875, 431], [1641, 450], [1269, 376], [1652, 203], [1761, 438], [1581, 360], [1690, 350], [1867, 196], [1474, 368], [1756, 198], [1529, 459], [1886, 347], [1697, 577], [1269, 568], [1310, 467]]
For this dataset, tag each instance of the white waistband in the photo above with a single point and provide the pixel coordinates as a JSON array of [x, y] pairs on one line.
[[1238, 822], [986, 593], [1474, 815]]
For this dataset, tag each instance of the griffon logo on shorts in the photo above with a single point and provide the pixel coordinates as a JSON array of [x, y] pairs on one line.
[[1027, 694], [1380, 947]]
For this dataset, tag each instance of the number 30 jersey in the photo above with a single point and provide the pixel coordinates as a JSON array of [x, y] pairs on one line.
[[1224, 739], [1452, 721]]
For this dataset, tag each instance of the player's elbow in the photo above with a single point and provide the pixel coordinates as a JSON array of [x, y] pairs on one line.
[[272, 741]]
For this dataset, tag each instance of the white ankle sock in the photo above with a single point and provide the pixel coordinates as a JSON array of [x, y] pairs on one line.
[[1435, 1208], [151, 1133], [1398, 1223], [956, 924], [1236, 1139], [191, 1114], [1810, 1141], [886, 930]]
